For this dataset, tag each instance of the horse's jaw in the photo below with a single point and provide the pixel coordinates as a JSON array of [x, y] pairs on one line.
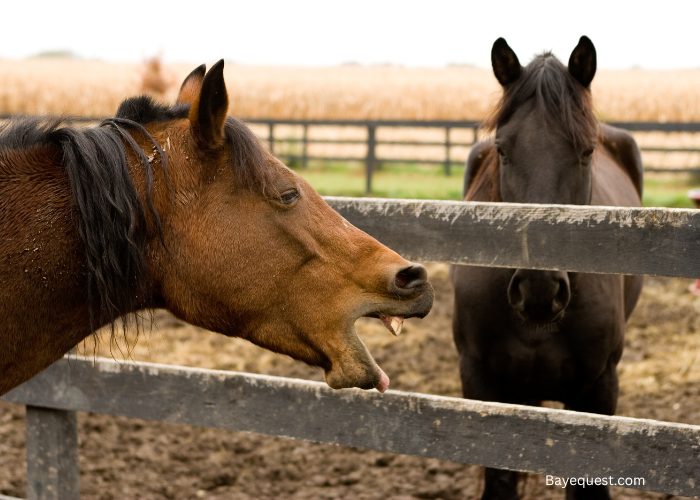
[[353, 366]]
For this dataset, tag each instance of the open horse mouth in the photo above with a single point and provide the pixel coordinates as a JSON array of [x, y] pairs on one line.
[[352, 365], [394, 325]]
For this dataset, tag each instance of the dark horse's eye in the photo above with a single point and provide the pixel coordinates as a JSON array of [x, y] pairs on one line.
[[289, 196], [501, 153], [586, 155]]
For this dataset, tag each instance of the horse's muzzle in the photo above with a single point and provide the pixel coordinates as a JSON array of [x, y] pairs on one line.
[[410, 285], [539, 296]]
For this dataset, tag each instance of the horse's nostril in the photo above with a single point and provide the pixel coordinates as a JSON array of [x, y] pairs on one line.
[[515, 294], [562, 296], [411, 277]]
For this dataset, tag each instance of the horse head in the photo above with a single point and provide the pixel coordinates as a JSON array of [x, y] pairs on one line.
[[250, 250], [181, 207], [545, 141]]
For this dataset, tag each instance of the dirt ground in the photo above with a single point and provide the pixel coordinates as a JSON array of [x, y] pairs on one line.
[[132, 459]]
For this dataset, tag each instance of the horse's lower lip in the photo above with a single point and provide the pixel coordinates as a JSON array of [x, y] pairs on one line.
[[383, 381], [353, 365]]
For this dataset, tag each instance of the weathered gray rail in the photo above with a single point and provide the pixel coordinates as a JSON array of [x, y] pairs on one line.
[[650, 241], [556, 442], [545, 441]]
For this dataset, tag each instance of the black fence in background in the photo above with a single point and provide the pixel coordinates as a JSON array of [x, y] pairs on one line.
[[371, 159]]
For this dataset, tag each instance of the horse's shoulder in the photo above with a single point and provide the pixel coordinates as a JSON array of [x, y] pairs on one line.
[[475, 161], [623, 148]]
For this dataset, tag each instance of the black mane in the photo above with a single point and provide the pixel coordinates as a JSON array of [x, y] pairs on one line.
[[144, 110], [112, 217], [247, 154], [563, 99], [110, 213]]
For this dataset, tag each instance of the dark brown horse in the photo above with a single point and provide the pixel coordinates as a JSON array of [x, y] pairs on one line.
[[525, 336], [180, 207]]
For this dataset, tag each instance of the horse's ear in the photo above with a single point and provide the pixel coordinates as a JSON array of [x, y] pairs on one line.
[[505, 63], [208, 111], [192, 86], [582, 63]]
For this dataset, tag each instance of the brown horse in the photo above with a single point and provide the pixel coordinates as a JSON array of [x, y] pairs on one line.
[[525, 336], [180, 207]]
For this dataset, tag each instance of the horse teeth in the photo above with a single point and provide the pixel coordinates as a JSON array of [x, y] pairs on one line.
[[396, 325]]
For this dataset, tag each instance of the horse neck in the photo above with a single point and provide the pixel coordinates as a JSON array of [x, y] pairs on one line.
[[35, 198], [486, 183], [42, 300]]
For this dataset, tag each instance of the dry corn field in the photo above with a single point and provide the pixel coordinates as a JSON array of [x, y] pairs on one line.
[[93, 88]]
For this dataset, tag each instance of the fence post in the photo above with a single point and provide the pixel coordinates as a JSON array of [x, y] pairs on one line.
[[371, 155], [52, 454], [447, 151], [304, 154], [271, 137]]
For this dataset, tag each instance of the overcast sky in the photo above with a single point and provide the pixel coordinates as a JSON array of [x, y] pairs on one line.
[[652, 35]]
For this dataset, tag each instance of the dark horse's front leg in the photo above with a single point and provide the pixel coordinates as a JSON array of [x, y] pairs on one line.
[[498, 484], [600, 398]]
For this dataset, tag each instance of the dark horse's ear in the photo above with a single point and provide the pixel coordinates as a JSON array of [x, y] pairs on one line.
[[192, 86], [505, 63], [582, 63], [208, 112]]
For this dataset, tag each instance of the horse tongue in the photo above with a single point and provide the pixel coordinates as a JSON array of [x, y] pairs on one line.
[[393, 323], [383, 382]]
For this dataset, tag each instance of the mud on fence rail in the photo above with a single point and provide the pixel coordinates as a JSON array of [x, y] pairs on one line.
[[575, 238]]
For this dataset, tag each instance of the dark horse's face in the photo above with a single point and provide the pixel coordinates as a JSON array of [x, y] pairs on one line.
[[538, 164], [545, 141], [273, 264]]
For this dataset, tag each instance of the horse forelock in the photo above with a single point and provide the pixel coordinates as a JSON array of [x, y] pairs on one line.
[[486, 182], [251, 162], [565, 103]]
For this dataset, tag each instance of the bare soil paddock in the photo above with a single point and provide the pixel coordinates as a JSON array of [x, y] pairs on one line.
[[132, 459]]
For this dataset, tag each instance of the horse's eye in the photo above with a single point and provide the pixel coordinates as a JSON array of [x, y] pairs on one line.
[[289, 196], [501, 154], [587, 153]]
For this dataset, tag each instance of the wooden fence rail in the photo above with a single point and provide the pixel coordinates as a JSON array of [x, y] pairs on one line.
[[544, 441], [576, 238], [650, 241]]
